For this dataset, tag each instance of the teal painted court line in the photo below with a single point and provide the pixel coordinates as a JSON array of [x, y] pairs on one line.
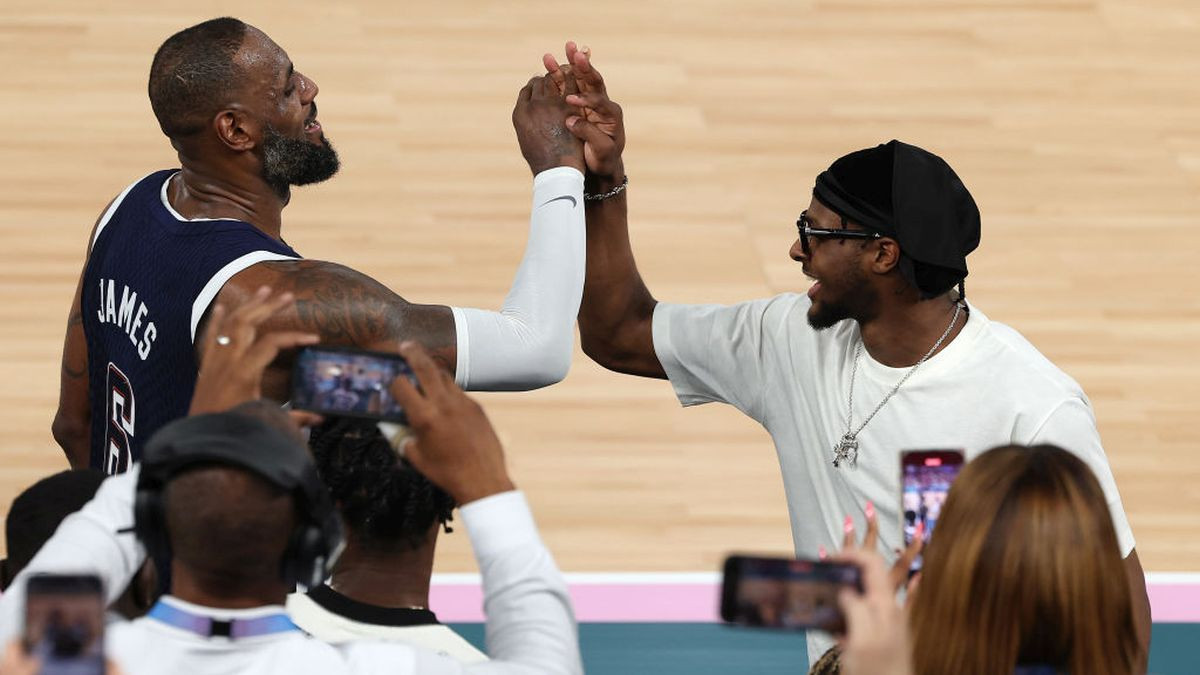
[[711, 649]]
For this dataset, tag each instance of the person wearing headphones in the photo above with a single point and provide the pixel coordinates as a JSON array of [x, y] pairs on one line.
[[236, 499]]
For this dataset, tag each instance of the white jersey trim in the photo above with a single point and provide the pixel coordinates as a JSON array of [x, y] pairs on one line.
[[214, 285], [171, 209], [112, 208]]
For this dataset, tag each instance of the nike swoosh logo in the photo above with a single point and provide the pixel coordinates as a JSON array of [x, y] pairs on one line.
[[569, 197]]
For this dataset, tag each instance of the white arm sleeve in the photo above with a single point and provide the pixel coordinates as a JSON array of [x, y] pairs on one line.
[[87, 542], [528, 343], [530, 624]]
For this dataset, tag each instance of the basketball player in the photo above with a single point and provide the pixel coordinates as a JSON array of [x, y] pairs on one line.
[[244, 123], [882, 354]]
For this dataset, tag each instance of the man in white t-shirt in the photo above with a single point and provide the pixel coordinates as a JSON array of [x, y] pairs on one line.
[[881, 355]]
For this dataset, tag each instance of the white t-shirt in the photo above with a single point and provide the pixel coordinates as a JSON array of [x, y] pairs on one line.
[[987, 387]]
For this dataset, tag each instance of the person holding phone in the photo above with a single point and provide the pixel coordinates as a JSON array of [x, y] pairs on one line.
[[1024, 575], [379, 587], [883, 353], [240, 538], [243, 121]]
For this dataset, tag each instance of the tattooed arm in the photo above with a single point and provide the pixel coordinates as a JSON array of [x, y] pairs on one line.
[[525, 345], [344, 307]]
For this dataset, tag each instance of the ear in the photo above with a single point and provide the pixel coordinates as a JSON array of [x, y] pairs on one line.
[[887, 255], [145, 586], [237, 130]]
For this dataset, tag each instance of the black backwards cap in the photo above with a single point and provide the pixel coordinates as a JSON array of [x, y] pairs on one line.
[[248, 442], [914, 197]]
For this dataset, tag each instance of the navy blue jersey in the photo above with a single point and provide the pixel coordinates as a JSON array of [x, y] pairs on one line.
[[150, 277]]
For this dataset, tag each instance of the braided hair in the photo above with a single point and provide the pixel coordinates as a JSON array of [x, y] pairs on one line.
[[384, 501]]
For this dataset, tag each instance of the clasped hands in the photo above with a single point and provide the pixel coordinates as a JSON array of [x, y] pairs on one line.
[[565, 118]]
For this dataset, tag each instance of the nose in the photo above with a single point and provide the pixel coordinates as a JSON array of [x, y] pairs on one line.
[[308, 88], [797, 252]]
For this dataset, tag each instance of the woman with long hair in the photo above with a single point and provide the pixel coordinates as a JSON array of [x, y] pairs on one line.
[[1023, 574]]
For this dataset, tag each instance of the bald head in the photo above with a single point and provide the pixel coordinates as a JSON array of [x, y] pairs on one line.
[[228, 525]]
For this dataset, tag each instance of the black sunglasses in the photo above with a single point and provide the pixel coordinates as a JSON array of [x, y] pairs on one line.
[[806, 230]]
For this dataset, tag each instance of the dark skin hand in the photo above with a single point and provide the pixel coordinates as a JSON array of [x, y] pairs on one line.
[[231, 373], [452, 442], [617, 309], [343, 307]]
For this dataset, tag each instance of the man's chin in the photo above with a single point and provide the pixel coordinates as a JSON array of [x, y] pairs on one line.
[[821, 316]]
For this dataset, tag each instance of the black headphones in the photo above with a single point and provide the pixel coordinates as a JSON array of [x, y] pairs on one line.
[[246, 442]]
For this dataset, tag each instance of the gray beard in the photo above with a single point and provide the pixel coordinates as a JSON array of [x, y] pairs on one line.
[[295, 161]]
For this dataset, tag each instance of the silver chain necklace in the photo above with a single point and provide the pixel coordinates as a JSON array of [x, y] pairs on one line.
[[846, 450]]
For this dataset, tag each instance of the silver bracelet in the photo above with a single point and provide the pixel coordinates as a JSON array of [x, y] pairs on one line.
[[611, 193]]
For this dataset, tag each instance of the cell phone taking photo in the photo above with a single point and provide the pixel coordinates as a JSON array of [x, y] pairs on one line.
[[786, 593], [925, 479], [347, 382], [64, 623]]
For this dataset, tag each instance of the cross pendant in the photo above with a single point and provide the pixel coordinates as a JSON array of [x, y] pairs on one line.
[[846, 450]]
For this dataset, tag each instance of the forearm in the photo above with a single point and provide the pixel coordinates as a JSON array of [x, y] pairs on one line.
[[87, 542], [530, 624], [617, 308], [528, 343]]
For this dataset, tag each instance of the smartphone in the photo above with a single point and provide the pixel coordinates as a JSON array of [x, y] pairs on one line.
[[786, 593], [347, 382], [64, 623], [925, 478]]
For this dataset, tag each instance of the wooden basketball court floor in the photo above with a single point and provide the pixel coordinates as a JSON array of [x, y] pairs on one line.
[[1075, 123]]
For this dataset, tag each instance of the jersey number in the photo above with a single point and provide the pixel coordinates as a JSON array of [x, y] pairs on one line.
[[120, 421]]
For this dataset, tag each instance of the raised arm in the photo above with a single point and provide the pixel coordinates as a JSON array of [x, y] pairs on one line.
[[525, 345], [617, 313], [530, 624]]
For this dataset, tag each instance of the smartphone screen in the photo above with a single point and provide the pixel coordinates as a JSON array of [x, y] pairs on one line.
[[925, 478], [349, 383], [64, 623], [786, 593]]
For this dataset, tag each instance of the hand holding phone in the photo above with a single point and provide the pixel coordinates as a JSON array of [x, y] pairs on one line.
[[786, 593], [925, 478], [64, 624], [453, 443], [346, 382]]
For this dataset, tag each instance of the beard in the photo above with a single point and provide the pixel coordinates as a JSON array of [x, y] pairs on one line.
[[856, 300], [296, 161]]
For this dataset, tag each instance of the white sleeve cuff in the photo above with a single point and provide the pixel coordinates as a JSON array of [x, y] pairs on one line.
[[499, 523]]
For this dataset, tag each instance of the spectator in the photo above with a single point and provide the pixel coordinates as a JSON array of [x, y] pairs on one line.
[[1022, 575], [37, 512], [380, 585], [240, 506]]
